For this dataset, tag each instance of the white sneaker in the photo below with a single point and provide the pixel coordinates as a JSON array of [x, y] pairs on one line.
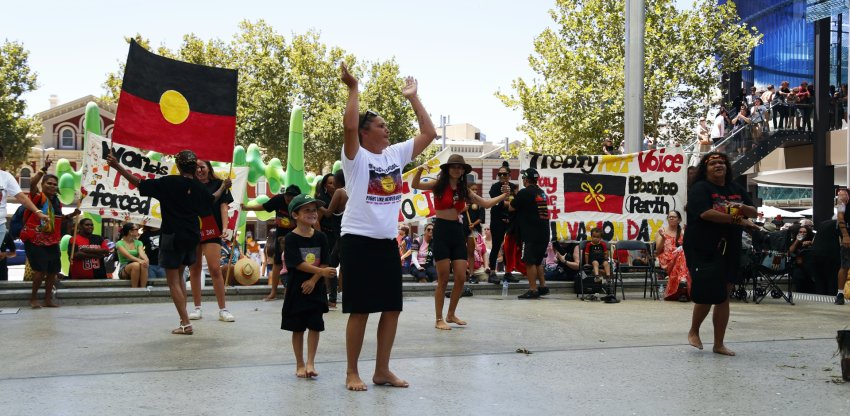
[[225, 316], [196, 314]]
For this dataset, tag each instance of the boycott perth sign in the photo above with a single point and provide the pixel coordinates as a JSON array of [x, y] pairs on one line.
[[109, 195], [627, 196]]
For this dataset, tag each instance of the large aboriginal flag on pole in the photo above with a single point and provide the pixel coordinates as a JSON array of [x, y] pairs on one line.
[[595, 193], [168, 106]]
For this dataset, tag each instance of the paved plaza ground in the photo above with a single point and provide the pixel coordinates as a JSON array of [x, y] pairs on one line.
[[586, 358]]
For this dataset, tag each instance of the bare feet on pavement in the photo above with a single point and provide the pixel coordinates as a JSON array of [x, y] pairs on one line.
[[389, 379], [311, 371], [354, 383], [441, 324], [455, 320], [301, 372], [694, 340], [723, 351]]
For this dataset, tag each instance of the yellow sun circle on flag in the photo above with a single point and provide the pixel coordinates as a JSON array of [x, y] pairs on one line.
[[388, 184], [174, 107], [310, 259]]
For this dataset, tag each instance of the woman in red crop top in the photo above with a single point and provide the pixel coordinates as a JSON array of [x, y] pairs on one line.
[[448, 244]]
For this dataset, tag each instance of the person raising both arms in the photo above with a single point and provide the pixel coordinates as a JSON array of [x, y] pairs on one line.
[[451, 194], [368, 251]]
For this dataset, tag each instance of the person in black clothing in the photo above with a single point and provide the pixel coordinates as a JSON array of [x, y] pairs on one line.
[[210, 246], [500, 220], [532, 217], [800, 251], [280, 205], [329, 225], [717, 208], [183, 200], [7, 251], [473, 217], [150, 240], [305, 300], [825, 257]]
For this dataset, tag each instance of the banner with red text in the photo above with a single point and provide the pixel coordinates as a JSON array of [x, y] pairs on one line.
[[628, 196], [418, 205]]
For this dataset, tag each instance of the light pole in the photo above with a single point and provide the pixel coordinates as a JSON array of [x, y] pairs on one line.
[[43, 152]]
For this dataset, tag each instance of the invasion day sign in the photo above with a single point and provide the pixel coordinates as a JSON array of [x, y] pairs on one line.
[[108, 194], [627, 196]]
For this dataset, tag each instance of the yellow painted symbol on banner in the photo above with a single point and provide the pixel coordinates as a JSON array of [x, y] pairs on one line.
[[174, 107], [594, 194]]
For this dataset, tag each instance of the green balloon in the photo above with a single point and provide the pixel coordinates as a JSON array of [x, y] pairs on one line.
[[337, 167], [256, 167], [154, 156], [66, 189], [63, 254], [239, 156], [295, 156], [274, 175], [92, 119]]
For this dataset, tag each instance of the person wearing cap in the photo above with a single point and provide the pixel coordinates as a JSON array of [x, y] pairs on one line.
[[183, 200], [368, 252], [280, 205], [532, 215], [306, 256], [500, 222], [448, 244]]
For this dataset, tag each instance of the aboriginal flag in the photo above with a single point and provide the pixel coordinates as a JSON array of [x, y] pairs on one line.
[[168, 105], [594, 193]]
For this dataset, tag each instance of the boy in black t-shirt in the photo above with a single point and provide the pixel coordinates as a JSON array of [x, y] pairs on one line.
[[182, 200], [306, 257]]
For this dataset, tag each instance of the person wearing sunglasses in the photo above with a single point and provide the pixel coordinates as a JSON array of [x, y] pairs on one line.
[[500, 221], [368, 251]]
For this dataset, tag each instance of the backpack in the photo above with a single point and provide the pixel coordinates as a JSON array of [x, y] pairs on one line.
[[17, 222]]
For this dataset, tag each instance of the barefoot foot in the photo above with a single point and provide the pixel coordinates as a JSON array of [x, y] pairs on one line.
[[354, 383], [301, 372], [269, 298], [694, 340], [723, 351], [388, 379], [35, 305], [455, 320], [441, 324], [311, 372], [49, 304]]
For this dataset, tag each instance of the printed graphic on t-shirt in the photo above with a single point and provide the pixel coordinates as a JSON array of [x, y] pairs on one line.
[[283, 220], [312, 255], [718, 201], [384, 185], [154, 242], [542, 203]]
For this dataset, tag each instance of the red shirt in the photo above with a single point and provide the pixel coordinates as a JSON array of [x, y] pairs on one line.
[[37, 233], [87, 268]]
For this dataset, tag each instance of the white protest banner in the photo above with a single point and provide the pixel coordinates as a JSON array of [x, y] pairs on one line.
[[109, 195], [417, 205], [628, 196], [239, 180]]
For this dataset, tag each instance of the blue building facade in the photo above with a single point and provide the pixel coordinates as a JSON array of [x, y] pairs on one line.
[[788, 51]]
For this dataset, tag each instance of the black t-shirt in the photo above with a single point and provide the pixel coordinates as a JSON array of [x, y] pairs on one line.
[[330, 225], [474, 215], [703, 236], [225, 198], [183, 201], [313, 251], [532, 214], [150, 239], [499, 211], [827, 242], [284, 223]]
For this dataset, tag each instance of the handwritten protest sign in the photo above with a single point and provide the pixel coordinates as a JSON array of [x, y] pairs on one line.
[[628, 196], [417, 205], [109, 195]]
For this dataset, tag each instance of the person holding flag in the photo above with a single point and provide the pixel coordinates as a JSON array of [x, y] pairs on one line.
[[183, 200]]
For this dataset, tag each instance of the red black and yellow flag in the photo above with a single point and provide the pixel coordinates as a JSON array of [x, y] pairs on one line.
[[168, 105], [594, 193]]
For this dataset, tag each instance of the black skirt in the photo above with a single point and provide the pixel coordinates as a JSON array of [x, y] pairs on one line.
[[371, 270]]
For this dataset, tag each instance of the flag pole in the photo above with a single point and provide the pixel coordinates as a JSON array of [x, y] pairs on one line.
[[232, 238]]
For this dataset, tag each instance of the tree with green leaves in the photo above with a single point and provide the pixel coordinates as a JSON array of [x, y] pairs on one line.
[[17, 132], [579, 97], [276, 74]]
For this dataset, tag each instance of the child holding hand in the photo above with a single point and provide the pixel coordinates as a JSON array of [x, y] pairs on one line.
[[306, 257]]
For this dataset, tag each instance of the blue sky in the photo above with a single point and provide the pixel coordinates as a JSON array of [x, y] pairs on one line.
[[460, 51]]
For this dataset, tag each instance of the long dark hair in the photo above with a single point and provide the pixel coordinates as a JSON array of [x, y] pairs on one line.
[[678, 226], [702, 170], [125, 229], [339, 179], [321, 192], [462, 190]]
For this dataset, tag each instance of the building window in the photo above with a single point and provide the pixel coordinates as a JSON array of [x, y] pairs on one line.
[[261, 187], [66, 139], [25, 178]]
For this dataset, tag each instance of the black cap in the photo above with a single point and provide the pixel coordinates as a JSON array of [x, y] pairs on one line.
[[531, 174], [292, 190]]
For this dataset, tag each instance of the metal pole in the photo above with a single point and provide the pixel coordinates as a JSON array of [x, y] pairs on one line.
[[443, 122], [633, 118]]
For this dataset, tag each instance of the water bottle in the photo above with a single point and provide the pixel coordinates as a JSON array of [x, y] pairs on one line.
[[505, 288]]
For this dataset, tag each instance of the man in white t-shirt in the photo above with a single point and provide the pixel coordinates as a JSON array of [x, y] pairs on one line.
[[368, 251], [9, 187]]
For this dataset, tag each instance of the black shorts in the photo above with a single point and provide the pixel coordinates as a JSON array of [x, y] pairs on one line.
[[172, 256], [449, 241], [598, 258], [372, 270], [300, 322], [44, 259], [533, 252], [216, 240]]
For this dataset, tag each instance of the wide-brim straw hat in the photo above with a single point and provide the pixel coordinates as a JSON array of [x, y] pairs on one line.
[[246, 272], [456, 159]]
